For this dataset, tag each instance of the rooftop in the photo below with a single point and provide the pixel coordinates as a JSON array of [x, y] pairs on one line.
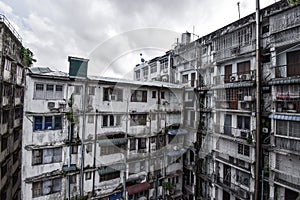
[[4, 20], [46, 71]]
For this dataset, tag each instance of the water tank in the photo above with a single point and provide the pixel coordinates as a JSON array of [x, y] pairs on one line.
[[186, 38]]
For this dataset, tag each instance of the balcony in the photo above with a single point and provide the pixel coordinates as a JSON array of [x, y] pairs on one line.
[[231, 187], [287, 71], [227, 104], [233, 132], [287, 180], [287, 102], [291, 145], [234, 78]]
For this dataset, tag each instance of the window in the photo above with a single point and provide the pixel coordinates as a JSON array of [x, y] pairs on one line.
[[142, 143], [132, 144], [288, 128], [90, 119], [138, 119], [7, 90], [112, 94], [45, 156], [118, 120], [4, 140], [19, 92], [107, 150], [110, 176], [3, 169], [73, 179], [162, 95], [137, 74], [105, 120], [153, 69], [105, 94], [164, 65], [19, 71], [46, 187], [7, 65], [293, 61], [47, 123], [139, 96], [243, 178], [153, 94], [243, 68], [18, 113], [77, 89], [74, 149], [185, 78], [91, 90], [243, 122], [88, 176], [243, 149], [145, 72], [48, 91], [89, 147], [111, 120]]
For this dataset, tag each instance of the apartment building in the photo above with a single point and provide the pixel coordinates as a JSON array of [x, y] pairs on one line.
[[156, 69], [101, 138], [11, 110], [220, 67]]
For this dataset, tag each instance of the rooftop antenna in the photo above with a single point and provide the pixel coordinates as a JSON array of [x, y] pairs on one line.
[[238, 4]]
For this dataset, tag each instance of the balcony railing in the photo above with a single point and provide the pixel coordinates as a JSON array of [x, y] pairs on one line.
[[288, 180], [288, 144], [284, 71], [234, 77], [233, 132], [10, 26], [227, 184]]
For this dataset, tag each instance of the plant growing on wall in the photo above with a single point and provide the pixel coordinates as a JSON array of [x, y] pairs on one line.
[[27, 57], [293, 2]]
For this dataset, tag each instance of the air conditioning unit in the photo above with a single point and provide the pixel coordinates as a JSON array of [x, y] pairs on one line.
[[243, 105], [248, 98], [51, 105], [244, 134], [245, 77], [233, 78]]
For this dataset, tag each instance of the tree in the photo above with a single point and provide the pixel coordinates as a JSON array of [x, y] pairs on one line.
[[27, 57]]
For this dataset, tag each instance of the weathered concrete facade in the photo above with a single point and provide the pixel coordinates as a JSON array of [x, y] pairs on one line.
[[220, 67], [101, 138], [11, 110]]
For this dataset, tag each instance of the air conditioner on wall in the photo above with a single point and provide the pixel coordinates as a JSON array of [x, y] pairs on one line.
[[51, 105], [233, 78]]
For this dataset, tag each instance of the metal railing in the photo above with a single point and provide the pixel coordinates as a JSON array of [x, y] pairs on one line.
[[10, 26]]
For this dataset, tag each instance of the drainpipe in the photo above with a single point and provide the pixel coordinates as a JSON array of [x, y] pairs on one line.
[[94, 161], [258, 105], [83, 136]]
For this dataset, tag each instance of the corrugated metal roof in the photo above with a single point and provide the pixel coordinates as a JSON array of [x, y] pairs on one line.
[[234, 85]]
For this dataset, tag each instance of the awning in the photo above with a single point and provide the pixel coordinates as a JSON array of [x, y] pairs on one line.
[[233, 85], [175, 153], [285, 117], [116, 196], [111, 169], [178, 132], [112, 142], [138, 188], [72, 168], [284, 81]]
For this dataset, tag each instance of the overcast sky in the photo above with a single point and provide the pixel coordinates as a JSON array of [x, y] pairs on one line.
[[112, 33]]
